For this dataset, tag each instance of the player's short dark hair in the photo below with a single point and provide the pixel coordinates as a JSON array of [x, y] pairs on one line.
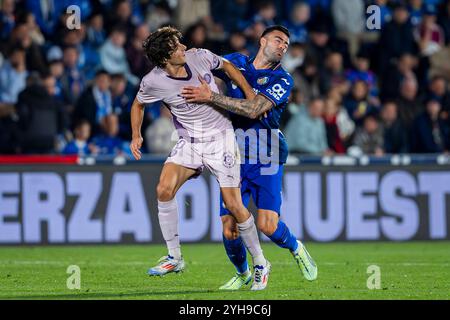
[[160, 45], [276, 28]]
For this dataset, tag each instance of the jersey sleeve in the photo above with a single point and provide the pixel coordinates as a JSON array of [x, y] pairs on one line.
[[211, 60], [278, 90], [231, 57], [146, 95]]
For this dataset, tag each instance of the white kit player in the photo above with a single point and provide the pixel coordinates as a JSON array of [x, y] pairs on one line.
[[206, 139]]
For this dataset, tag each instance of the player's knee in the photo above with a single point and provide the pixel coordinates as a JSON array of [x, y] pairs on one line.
[[235, 207], [267, 227], [164, 192]]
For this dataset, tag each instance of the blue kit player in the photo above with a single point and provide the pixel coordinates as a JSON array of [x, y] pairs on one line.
[[260, 179]]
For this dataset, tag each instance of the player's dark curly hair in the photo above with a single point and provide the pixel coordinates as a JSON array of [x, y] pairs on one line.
[[160, 45]]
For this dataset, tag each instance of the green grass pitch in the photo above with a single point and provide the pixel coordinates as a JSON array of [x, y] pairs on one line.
[[413, 270]]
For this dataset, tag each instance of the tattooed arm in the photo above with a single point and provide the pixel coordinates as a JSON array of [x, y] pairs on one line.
[[252, 109]]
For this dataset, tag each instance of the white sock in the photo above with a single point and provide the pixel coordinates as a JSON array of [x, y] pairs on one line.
[[168, 221], [250, 238]]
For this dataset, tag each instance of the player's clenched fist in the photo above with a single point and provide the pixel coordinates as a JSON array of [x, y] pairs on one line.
[[135, 145]]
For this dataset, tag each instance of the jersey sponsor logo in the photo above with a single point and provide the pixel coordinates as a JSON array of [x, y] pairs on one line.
[[229, 160], [262, 81], [277, 91]]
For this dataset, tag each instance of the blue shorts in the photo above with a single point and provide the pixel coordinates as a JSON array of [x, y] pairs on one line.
[[264, 189]]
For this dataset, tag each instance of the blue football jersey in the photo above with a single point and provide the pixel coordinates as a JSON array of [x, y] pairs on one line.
[[275, 84]]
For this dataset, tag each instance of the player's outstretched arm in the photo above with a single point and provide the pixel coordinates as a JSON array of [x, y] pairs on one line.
[[238, 78], [137, 116], [252, 109]]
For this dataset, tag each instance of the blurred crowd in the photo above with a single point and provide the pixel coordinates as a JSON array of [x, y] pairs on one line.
[[366, 81]]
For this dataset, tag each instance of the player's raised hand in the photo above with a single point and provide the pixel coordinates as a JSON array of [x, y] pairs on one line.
[[200, 94], [135, 145]]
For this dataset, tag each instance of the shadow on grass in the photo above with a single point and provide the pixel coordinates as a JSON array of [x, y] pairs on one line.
[[103, 295]]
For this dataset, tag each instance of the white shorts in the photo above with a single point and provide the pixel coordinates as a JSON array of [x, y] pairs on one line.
[[220, 154]]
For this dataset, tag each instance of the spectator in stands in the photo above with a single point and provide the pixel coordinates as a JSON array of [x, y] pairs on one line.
[[345, 124], [122, 15], [229, 13], [402, 70], [294, 57], [89, 58], [295, 104], [113, 55], [237, 43], [196, 37], [361, 71], [189, 12], [158, 14], [266, 13], [395, 134], [429, 35], [430, 132], [306, 133], [253, 34], [33, 29], [349, 19], [95, 102], [297, 24], [333, 75], [438, 90], [160, 134], [334, 137], [47, 13], [357, 102], [108, 142], [139, 64], [13, 75], [73, 80], [56, 69], [41, 116], [396, 38], [409, 105], [95, 31], [21, 36], [416, 10], [307, 80], [80, 144], [369, 137], [318, 44], [121, 104], [7, 19]]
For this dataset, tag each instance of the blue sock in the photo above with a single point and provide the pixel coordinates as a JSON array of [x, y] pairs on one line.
[[236, 253], [283, 237]]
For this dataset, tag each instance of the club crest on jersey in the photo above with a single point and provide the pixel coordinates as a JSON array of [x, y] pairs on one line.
[[262, 81], [229, 160], [207, 78]]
